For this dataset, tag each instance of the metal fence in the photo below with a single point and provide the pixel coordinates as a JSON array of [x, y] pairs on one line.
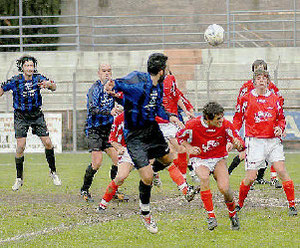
[[96, 33]]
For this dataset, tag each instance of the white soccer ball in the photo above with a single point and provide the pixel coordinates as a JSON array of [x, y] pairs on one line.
[[214, 35]]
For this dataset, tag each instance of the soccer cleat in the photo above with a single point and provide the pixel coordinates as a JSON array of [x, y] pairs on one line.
[[293, 211], [194, 177], [55, 178], [149, 223], [121, 196], [190, 194], [235, 223], [261, 181], [86, 196], [101, 209], [156, 180], [252, 186], [238, 208], [18, 184], [275, 182], [212, 223]]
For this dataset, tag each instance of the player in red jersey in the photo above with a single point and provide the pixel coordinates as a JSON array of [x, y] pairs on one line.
[[247, 87], [205, 139], [262, 112], [125, 165]]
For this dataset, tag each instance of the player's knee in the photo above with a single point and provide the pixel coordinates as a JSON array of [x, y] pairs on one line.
[[96, 165], [20, 149], [120, 179]]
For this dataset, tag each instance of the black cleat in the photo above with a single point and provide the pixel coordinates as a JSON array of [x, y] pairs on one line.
[[275, 182], [293, 211], [121, 196], [235, 223], [261, 181], [238, 208], [101, 209], [190, 194], [212, 223], [86, 196]]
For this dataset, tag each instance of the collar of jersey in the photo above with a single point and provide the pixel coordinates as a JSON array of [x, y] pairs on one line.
[[253, 92]]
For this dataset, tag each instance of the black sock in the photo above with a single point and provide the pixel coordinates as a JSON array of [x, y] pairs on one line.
[[235, 162], [260, 174], [145, 194], [50, 159], [88, 178], [113, 172], [157, 166], [19, 166]]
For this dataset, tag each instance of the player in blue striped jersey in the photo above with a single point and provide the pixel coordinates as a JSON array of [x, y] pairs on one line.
[[27, 102]]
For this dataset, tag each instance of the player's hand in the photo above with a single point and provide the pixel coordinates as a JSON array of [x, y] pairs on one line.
[[176, 121], [237, 144], [190, 115], [121, 150], [194, 150], [229, 147], [277, 131], [45, 84]]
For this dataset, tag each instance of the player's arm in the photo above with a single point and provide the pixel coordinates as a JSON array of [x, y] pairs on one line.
[[233, 136], [45, 83], [95, 107], [6, 86], [281, 123], [185, 137], [1, 91], [131, 84], [183, 107], [238, 117]]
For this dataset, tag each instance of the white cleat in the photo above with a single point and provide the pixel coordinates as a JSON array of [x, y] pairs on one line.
[[18, 184], [149, 223], [55, 178]]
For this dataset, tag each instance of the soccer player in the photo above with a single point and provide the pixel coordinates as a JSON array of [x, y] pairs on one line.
[[100, 103], [143, 95], [116, 138], [262, 112], [247, 87], [205, 139], [27, 102]]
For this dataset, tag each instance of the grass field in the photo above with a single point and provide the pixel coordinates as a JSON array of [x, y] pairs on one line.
[[43, 215]]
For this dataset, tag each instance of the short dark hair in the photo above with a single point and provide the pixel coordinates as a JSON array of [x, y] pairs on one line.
[[25, 58], [212, 109], [259, 62], [156, 62]]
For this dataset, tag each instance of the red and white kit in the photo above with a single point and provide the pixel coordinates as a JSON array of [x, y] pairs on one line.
[[261, 115], [210, 139]]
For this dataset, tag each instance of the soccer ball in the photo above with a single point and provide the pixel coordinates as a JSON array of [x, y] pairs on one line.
[[214, 35]]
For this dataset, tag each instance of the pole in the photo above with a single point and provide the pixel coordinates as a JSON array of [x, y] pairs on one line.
[[228, 22], [295, 25], [21, 24], [77, 25]]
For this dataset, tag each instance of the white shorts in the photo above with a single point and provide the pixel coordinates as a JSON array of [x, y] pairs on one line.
[[210, 163], [169, 130], [125, 158], [259, 150]]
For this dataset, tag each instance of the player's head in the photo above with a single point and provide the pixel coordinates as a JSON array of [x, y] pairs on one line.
[[27, 64], [157, 63], [105, 72], [213, 113], [261, 78], [259, 64]]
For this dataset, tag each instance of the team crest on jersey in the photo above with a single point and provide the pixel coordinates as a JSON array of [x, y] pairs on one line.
[[261, 100], [210, 130], [210, 145], [262, 116]]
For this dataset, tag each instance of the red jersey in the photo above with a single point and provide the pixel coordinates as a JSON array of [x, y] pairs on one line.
[[117, 130], [260, 113], [185, 101], [170, 98], [248, 86], [210, 139]]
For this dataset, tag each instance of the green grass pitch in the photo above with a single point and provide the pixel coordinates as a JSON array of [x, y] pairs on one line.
[[43, 215]]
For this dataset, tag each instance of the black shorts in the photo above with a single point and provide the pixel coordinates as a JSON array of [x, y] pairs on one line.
[[34, 119], [145, 144], [98, 138]]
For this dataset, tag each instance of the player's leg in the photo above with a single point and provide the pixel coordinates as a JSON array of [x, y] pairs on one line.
[[245, 185], [273, 178], [123, 172], [288, 186], [222, 178], [203, 172], [181, 160], [236, 161], [19, 160]]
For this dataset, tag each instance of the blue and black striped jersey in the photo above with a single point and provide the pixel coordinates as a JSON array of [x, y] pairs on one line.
[[99, 106], [26, 94], [142, 100]]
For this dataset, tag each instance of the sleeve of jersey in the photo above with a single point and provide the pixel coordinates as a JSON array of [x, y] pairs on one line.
[[94, 103], [238, 117], [8, 85], [280, 116], [161, 112], [232, 133], [129, 84], [185, 101], [112, 135], [185, 134], [276, 92]]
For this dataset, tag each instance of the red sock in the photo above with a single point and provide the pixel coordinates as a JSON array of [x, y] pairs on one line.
[[231, 208], [178, 178], [289, 190], [206, 198], [273, 172], [110, 191], [244, 189], [181, 162]]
